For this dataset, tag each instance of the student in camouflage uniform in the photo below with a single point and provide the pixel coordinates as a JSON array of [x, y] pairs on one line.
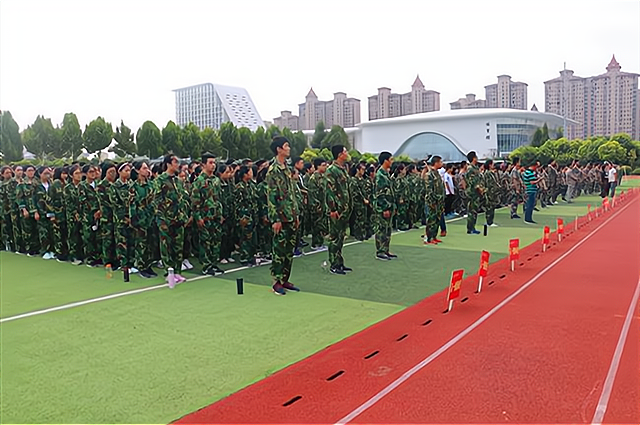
[[475, 192], [90, 215], [171, 215], [434, 201], [59, 223], [554, 184], [106, 226], [338, 203], [190, 240], [45, 213], [317, 187], [72, 211], [517, 187], [384, 206], [492, 194], [246, 204], [401, 192], [263, 225], [206, 197], [298, 166], [357, 187], [368, 187], [25, 197], [295, 175], [121, 197], [6, 208], [142, 213], [227, 188], [283, 214], [416, 195], [461, 189]]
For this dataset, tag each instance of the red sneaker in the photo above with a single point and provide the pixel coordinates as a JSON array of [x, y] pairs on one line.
[[437, 240], [443, 234]]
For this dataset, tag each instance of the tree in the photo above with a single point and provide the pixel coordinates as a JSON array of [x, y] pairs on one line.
[[150, 140], [337, 136], [536, 139], [326, 154], [192, 141], [299, 143], [527, 154], [71, 136], [97, 135], [10, 140], [612, 151], [230, 139], [263, 144], [40, 138], [403, 158], [246, 143], [211, 142], [124, 141], [588, 150], [171, 139], [318, 135], [309, 154]]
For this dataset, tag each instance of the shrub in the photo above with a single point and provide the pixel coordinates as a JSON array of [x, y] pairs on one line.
[[636, 172]]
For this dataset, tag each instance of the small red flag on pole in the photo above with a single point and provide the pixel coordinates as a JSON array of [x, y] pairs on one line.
[[589, 212], [545, 238], [514, 252], [484, 268], [454, 287], [560, 229], [576, 223]]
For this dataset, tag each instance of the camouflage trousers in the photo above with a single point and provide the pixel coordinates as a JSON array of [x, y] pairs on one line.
[[247, 241], [383, 234], [369, 223], [359, 222], [403, 216], [284, 242], [7, 233], [472, 213], [318, 229], [60, 239], [337, 232], [76, 250], [171, 244], [209, 239], [107, 241], [16, 225], [264, 236], [125, 245], [90, 241], [514, 201], [143, 243], [434, 213], [227, 245], [490, 214], [45, 234], [414, 213], [30, 234]]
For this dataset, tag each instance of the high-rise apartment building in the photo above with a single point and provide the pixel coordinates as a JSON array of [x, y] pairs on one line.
[[468, 102], [602, 105], [210, 105], [342, 110], [388, 105], [287, 120], [506, 94]]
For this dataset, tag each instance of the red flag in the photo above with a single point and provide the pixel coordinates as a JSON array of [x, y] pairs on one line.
[[514, 249], [456, 284], [560, 226], [545, 237], [589, 208], [484, 264]]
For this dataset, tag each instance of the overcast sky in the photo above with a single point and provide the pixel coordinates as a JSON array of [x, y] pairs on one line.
[[121, 59]]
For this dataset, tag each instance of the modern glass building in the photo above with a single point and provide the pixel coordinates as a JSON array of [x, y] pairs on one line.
[[210, 105], [422, 145]]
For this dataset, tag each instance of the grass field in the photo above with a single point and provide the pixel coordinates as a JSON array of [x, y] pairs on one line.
[[154, 356]]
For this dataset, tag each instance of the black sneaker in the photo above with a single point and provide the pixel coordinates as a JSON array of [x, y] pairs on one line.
[[217, 270], [336, 270], [290, 287], [530, 222], [145, 274], [151, 273], [390, 255], [278, 289], [346, 269], [515, 216], [382, 257]]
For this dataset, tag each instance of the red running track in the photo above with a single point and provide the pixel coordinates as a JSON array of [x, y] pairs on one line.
[[541, 353]]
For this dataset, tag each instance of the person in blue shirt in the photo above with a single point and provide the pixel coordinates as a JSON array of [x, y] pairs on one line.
[[531, 189]]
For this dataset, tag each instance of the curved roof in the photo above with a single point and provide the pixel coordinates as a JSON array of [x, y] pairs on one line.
[[460, 114]]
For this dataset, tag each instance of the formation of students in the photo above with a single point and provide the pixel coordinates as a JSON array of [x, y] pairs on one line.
[[137, 215]]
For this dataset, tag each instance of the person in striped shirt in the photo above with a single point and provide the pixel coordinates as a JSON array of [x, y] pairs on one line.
[[531, 188]]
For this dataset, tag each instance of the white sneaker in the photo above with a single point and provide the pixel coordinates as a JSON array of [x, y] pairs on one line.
[[231, 260], [160, 265], [494, 225], [47, 256], [224, 261], [133, 270], [76, 262], [186, 265]]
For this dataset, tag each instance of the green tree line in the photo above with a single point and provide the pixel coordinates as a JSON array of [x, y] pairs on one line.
[[619, 149], [68, 140]]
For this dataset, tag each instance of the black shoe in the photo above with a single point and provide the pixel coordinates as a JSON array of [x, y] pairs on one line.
[[346, 269], [530, 222], [290, 287], [515, 216], [145, 274], [382, 257], [536, 209], [390, 255], [151, 273], [303, 244], [336, 270]]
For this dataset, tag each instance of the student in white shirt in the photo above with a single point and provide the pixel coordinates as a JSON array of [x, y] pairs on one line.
[[449, 189], [612, 178]]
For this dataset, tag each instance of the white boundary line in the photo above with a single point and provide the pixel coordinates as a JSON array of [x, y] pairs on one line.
[[601, 409], [376, 398]]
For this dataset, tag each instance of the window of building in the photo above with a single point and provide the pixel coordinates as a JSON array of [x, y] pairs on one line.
[[422, 145]]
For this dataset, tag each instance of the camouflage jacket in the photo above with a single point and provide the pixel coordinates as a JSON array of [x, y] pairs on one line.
[[56, 192], [358, 192], [169, 198], [106, 206], [89, 201], [384, 199], [72, 203], [206, 198], [43, 200], [121, 196], [435, 190], [338, 196], [25, 195], [246, 201], [142, 206], [281, 195], [492, 184], [474, 183], [317, 187]]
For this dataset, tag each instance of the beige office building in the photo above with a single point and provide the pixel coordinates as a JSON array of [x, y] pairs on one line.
[[506, 94], [342, 110], [388, 105], [602, 105], [469, 102], [287, 120]]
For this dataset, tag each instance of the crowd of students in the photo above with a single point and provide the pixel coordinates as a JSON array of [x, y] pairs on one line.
[[139, 215]]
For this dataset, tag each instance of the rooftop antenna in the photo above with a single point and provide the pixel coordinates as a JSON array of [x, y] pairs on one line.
[[564, 101]]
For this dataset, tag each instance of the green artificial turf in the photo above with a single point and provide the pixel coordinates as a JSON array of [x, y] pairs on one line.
[[153, 357]]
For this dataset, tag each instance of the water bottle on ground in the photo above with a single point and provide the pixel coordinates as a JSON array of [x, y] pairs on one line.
[[171, 278], [109, 271]]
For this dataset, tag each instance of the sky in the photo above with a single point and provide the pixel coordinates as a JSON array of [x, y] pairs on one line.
[[121, 59]]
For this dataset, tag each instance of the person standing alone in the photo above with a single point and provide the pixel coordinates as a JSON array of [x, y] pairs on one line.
[[475, 192], [531, 189], [384, 207]]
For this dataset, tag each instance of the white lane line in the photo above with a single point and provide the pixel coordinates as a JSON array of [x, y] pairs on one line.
[[601, 409], [395, 384]]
